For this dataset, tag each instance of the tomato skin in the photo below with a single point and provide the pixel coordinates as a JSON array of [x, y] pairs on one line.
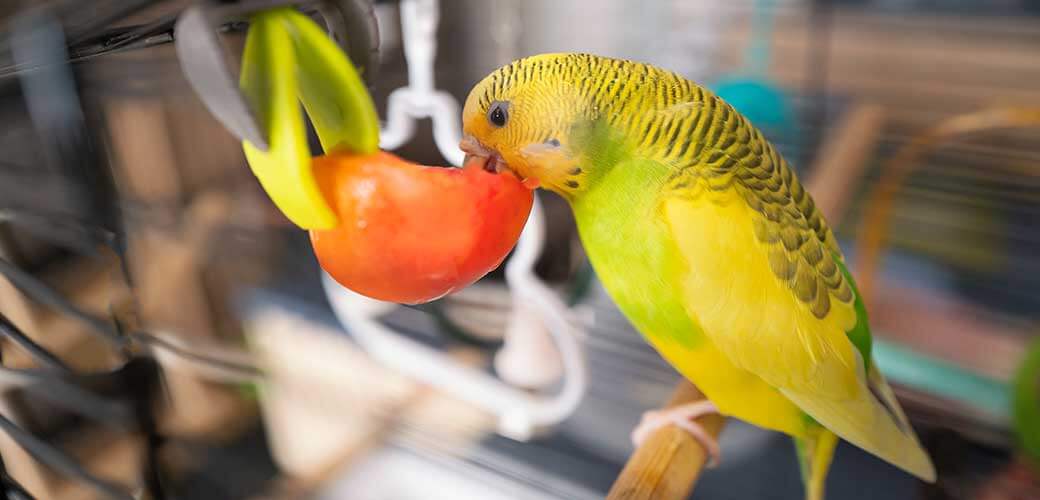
[[410, 233]]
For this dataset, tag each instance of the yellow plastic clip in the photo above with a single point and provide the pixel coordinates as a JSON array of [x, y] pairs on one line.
[[289, 59]]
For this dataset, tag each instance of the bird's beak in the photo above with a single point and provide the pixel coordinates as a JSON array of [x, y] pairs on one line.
[[476, 152], [491, 160]]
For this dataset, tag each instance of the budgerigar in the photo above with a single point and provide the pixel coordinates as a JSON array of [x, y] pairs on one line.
[[703, 236]]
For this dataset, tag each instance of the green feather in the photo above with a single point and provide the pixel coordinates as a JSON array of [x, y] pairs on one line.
[[860, 334]]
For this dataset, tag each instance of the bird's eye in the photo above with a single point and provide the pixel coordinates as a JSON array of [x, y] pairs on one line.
[[498, 113]]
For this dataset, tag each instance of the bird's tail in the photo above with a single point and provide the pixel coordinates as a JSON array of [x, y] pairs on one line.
[[815, 452]]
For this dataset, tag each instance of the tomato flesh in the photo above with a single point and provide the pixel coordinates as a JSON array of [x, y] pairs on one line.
[[410, 233]]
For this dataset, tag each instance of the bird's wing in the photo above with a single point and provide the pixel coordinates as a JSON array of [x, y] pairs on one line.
[[763, 278], [766, 281]]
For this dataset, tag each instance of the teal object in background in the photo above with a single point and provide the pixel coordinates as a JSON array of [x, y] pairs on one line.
[[764, 103], [906, 367]]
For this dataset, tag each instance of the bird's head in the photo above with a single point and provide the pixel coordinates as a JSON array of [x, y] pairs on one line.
[[521, 117]]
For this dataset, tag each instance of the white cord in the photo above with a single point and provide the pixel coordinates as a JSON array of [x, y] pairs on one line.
[[528, 290], [521, 414]]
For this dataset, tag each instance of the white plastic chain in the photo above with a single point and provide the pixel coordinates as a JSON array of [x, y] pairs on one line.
[[528, 358]]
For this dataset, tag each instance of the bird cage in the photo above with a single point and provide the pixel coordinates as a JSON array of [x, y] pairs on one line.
[[154, 299]]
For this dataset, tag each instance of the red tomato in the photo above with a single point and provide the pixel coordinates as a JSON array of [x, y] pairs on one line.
[[410, 233]]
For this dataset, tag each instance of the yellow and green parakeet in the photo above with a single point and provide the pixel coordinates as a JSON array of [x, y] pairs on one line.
[[702, 235]]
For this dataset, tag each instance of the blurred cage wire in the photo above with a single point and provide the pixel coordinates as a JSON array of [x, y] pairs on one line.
[[129, 169], [104, 233]]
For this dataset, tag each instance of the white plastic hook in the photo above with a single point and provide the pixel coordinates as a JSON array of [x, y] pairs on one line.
[[530, 357], [420, 99], [521, 414]]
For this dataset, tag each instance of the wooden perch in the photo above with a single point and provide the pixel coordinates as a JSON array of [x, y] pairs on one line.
[[667, 465], [670, 460]]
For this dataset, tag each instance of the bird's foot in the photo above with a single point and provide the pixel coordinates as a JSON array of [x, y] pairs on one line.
[[681, 416]]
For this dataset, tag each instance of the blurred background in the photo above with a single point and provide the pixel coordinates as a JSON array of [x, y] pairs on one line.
[[167, 333]]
